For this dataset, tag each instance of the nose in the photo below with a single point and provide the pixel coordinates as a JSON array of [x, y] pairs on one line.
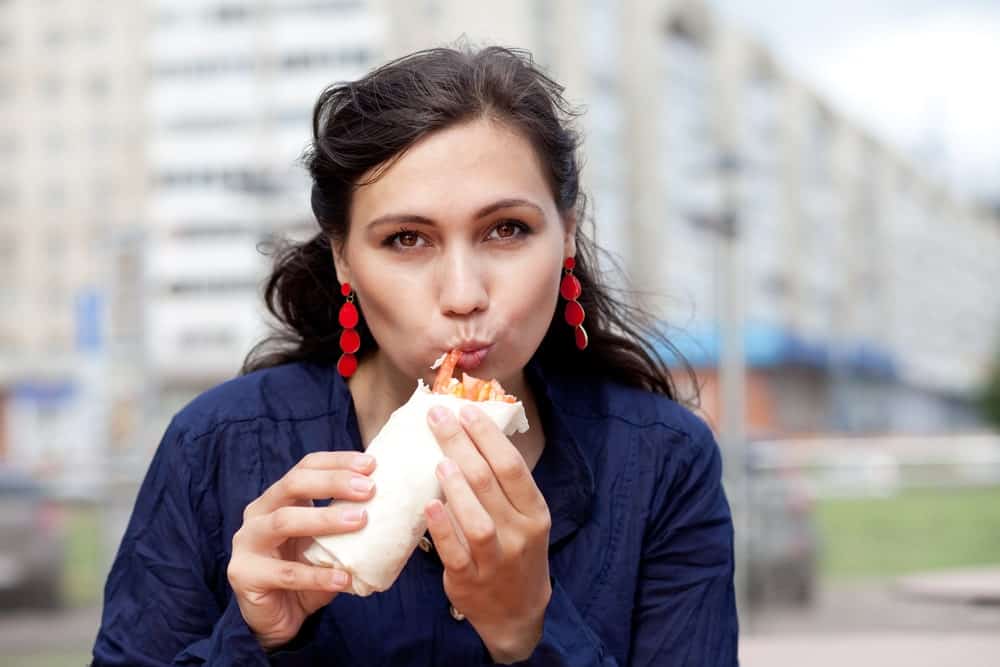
[[462, 285]]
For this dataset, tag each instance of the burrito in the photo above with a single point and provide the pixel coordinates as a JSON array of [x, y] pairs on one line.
[[406, 454]]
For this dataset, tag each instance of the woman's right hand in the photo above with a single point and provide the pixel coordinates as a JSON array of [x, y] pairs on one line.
[[274, 586]]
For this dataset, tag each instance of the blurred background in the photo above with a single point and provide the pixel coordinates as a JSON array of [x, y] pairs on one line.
[[806, 192]]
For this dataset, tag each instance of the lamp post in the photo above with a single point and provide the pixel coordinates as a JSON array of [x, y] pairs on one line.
[[732, 362]]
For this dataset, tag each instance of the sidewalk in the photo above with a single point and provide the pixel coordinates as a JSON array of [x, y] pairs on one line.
[[949, 617], [969, 586], [874, 650]]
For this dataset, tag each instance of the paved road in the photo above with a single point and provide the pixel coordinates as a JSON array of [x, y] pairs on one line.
[[68, 632], [873, 625]]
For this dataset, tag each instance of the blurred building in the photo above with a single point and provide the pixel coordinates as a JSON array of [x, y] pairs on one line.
[[72, 192], [148, 148], [232, 86], [867, 290]]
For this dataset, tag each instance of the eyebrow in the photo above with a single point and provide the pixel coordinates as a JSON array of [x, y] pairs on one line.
[[500, 204]]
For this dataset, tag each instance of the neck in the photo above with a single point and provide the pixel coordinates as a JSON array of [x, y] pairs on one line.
[[377, 389]]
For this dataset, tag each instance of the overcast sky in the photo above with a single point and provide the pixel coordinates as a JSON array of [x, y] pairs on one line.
[[916, 72]]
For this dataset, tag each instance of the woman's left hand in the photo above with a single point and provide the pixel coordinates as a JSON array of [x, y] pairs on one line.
[[493, 537]]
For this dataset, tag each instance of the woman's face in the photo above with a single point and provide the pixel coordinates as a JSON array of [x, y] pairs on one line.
[[458, 244]]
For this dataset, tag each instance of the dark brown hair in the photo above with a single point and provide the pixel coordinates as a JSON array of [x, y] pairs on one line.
[[363, 125]]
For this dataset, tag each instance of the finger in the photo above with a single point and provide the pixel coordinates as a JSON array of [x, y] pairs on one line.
[[448, 541], [475, 523], [269, 530], [506, 463], [331, 460], [457, 446], [261, 573], [302, 483]]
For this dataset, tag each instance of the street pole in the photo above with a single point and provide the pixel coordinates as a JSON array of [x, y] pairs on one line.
[[732, 371]]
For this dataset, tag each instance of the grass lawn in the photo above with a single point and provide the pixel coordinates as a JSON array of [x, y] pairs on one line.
[[83, 574], [58, 659], [914, 531]]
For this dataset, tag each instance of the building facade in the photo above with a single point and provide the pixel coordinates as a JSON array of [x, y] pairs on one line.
[[148, 150]]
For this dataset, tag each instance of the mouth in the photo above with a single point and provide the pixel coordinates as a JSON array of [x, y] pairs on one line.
[[473, 355]]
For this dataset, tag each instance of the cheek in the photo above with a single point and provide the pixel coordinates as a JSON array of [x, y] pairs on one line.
[[391, 302], [533, 304]]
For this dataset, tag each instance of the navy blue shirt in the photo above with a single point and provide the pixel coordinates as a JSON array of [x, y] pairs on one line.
[[640, 552]]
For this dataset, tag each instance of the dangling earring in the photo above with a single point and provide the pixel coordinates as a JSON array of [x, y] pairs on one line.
[[350, 341], [570, 290]]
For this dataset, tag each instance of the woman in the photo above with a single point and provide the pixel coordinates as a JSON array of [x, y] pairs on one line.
[[446, 187]]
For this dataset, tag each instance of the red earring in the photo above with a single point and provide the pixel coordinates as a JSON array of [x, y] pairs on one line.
[[570, 290], [350, 341]]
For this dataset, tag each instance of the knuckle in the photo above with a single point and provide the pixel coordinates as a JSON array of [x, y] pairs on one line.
[[451, 433], [238, 539], [481, 533], [311, 459], [280, 521], [512, 469], [250, 510], [544, 524], [286, 575], [234, 575], [517, 547], [480, 480], [462, 563]]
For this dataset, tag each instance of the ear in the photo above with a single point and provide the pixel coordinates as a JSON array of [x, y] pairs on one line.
[[569, 235], [342, 267]]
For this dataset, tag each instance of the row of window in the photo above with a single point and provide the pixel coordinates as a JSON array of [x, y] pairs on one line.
[[244, 180], [348, 57], [290, 117], [53, 86], [236, 12], [218, 286]]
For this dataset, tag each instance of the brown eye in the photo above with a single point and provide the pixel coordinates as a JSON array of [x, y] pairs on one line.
[[407, 239], [506, 230]]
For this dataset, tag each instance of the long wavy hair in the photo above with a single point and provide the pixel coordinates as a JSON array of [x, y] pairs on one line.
[[363, 125]]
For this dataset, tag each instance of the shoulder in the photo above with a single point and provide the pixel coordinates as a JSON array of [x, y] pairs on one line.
[[651, 412], [290, 392], [659, 424]]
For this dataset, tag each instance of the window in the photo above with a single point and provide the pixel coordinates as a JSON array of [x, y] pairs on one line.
[[211, 287], [52, 86], [55, 143], [356, 56], [245, 180], [8, 196], [55, 37], [55, 195], [231, 13], [8, 144], [98, 85]]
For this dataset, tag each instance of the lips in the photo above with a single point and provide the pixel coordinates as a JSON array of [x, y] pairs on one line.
[[472, 356]]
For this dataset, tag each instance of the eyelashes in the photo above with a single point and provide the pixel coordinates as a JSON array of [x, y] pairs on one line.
[[411, 237]]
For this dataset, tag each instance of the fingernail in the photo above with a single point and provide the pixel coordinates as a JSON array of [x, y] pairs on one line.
[[361, 483], [362, 461], [438, 415], [354, 514], [469, 414], [339, 578], [447, 468]]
